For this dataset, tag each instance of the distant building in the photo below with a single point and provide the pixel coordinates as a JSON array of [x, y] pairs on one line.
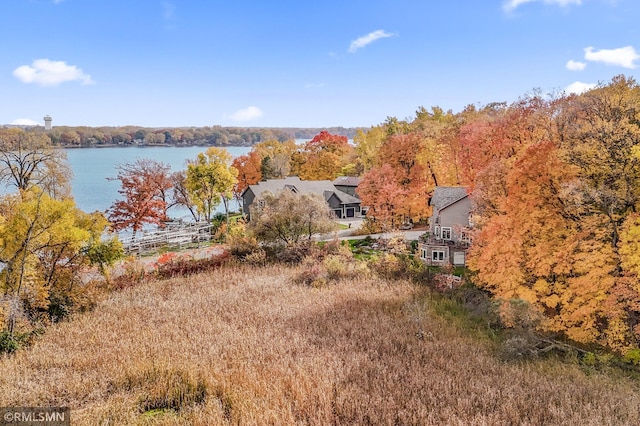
[[342, 204], [47, 122], [449, 227], [348, 184]]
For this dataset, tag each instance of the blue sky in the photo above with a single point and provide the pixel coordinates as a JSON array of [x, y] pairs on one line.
[[295, 63]]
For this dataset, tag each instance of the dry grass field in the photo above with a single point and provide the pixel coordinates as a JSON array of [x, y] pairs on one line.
[[248, 346]]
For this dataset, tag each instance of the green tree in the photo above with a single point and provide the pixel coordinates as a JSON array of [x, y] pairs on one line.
[[210, 180]]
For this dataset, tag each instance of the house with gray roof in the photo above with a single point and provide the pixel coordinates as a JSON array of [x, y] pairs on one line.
[[348, 184], [342, 204], [449, 227]]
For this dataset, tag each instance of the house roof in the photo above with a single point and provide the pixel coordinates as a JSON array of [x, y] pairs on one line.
[[293, 183], [347, 181], [444, 196]]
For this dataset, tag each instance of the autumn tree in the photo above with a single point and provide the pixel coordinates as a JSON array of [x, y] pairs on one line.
[[249, 171], [289, 219], [561, 230], [210, 180], [275, 157], [323, 157], [367, 146], [402, 153], [144, 186], [43, 244], [381, 192], [27, 159]]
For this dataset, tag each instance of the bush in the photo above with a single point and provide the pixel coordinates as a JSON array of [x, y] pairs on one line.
[[133, 273], [518, 347], [388, 266], [518, 313], [632, 357], [11, 342], [185, 266], [292, 254], [244, 246], [369, 226]]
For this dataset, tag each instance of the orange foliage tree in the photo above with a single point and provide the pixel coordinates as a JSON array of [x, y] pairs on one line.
[[323, 157], [249, 171], [380, 191], [145, 185], [556, 185]]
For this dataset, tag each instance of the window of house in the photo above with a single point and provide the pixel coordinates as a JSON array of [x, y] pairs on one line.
[[436, 231], [437, 255], [261, 204], [446, 233], [423, 254], [466, 237]]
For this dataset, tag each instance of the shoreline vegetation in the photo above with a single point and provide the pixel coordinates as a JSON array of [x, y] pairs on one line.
[[103, 137]]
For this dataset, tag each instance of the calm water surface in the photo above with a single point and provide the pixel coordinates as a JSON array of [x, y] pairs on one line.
[[92, 166]]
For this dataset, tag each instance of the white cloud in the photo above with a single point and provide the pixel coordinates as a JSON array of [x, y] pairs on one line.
[[623, 56], [45, 72], [579, 87], [361, 42], [25, 122], [512, 5], [575, 65], [247, 114]]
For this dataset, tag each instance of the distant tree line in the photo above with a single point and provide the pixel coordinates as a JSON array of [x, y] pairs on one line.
[[84, 136]]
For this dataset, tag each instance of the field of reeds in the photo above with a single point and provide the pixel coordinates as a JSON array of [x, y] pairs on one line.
[[253, 345]]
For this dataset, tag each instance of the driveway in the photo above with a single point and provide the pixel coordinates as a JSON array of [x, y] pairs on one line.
[[356, 223]]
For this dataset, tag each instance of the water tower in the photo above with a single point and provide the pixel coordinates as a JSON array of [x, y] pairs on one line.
[[47, 122]]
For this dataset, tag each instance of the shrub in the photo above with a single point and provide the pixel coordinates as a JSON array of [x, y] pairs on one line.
[[133, 273], [11, 342], [632, 357], [185, 266], [518, 313], [388, 266], [8, 343], [311, 271], [243, 245], [369, 226], [518, 347], [291, 254]]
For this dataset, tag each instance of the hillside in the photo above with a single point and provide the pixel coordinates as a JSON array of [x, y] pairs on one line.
[[246, 346]]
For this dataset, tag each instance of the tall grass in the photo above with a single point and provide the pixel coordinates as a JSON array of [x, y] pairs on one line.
[[249, 346]]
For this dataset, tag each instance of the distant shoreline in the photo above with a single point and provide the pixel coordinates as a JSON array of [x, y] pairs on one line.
[[149, 146]]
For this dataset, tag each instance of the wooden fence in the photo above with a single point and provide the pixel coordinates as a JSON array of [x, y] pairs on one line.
[[175, 236]]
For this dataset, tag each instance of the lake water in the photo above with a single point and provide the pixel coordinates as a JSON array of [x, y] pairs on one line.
[[92, 166]]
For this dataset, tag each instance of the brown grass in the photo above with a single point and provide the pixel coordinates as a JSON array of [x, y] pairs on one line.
[[247, 346]]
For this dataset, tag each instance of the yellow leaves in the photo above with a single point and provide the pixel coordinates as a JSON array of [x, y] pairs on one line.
[[630, 245], [210, 178], [42, 242]]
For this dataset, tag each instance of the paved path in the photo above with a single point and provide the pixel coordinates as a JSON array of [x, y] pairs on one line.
[[346, 234]]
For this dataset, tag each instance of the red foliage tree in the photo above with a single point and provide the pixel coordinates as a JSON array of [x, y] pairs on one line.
[[144, 187]]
